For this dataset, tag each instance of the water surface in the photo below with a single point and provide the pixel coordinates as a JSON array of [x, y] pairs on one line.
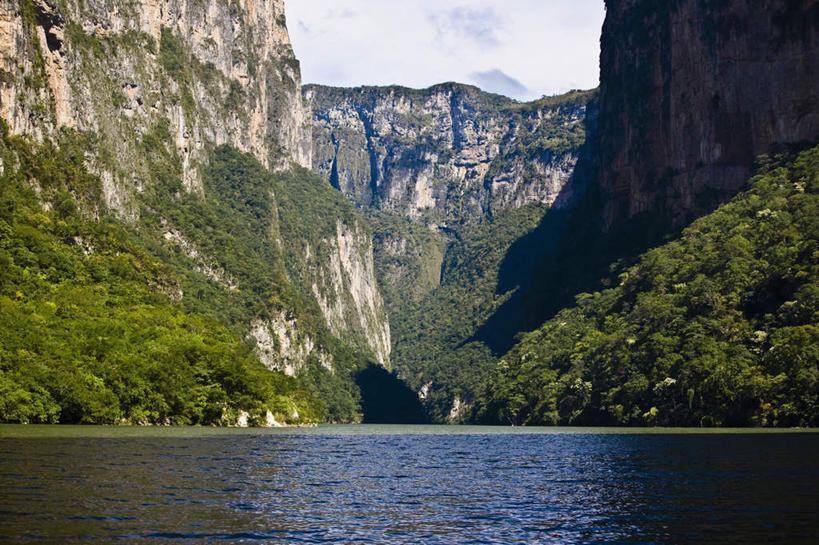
[[407, 484]]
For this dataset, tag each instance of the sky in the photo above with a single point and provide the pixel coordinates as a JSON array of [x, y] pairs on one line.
[[519, 48]]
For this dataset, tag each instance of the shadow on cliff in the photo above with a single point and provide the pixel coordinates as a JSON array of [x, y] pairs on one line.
[[567, 254], [570, 253], [386, 399]]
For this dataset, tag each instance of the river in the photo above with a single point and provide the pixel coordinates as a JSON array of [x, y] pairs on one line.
[[407, 485]]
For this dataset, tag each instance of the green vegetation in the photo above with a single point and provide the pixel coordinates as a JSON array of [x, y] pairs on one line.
[[177, 62], [408, 258], [89, 334], [149, 322], [238, 251], [564, 132], [718, 327], [36, 78], [436, 337]]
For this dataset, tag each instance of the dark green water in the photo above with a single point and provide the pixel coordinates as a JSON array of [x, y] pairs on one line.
[[400, 484]]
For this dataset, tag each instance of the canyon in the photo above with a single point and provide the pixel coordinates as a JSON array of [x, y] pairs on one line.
[[421, 230]]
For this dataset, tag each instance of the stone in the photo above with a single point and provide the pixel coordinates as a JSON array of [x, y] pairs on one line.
[[692, 91]]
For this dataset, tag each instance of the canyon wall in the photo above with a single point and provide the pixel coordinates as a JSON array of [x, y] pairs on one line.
[[152, 88], [691, 91], [208, 73], [448, 155]]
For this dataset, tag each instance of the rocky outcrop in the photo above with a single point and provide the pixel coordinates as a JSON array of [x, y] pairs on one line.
[[447, 155], [282, 346], [203, 73], [342, 278], [175, 79], [691, 91]]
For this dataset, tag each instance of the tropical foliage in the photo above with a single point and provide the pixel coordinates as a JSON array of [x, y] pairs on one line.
[[90, 332], [718, 327], [436, 337]]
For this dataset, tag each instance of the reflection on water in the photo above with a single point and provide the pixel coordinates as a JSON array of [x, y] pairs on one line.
[[320, 486]]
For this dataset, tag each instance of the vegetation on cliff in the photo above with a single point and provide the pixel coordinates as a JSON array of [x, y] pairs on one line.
[[108, 321], [90, 332], [448, 155], [238, 252], [718, 327]]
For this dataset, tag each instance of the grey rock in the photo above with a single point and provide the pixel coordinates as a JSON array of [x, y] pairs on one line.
[[448, 155]]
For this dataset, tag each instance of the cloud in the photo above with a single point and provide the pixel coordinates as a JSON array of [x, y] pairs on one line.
[[495, 81], [419, 43], [332, 14], [480, 26]]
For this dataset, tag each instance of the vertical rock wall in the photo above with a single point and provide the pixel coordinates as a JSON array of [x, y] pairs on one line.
[[207, 73], [447, 155], [692, 90]]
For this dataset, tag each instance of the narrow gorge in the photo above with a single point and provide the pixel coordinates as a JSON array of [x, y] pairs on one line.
[[483, 225], [449, 177], [190, 236]]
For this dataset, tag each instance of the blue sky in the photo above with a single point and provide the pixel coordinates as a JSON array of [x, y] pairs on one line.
[[520, 48]]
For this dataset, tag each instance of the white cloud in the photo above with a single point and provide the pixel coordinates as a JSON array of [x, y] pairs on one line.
[[479, 26], [545, 46], [495, 81]]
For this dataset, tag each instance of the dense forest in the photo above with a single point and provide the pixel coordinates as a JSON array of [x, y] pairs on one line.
[[106, 321], [90, 333], [437, 346], [716, 328]]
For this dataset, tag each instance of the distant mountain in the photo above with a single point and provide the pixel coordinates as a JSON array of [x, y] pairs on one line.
[[550, 200], [448, 155]]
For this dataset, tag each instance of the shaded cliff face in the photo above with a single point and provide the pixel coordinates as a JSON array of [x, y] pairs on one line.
[[447, 155], [692, 92]]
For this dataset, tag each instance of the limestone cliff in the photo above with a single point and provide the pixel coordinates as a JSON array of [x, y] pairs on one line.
[[152, 88], [342, 278], [211, 73], [448, 155], [691, 91]]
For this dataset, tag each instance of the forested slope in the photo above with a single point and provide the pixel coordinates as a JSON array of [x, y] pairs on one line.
[[91, 329], [719, 327], [106, 320]]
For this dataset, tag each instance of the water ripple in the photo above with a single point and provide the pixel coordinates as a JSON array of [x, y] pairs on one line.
[[410, 488]]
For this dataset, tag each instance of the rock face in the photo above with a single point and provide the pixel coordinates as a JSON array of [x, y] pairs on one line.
[[282, 346], [178, 78], [691, 91], [448, 155], [342, 279], [207, 73]]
